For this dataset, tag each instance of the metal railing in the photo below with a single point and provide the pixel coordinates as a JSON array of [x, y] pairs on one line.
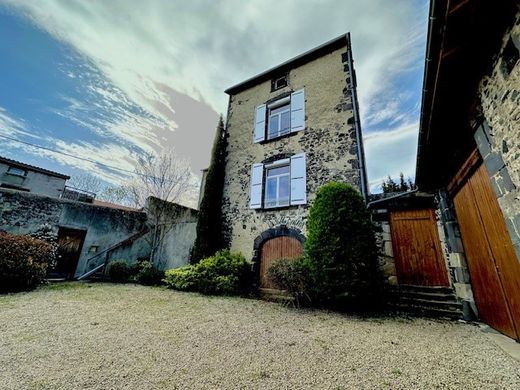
[[77, 194]]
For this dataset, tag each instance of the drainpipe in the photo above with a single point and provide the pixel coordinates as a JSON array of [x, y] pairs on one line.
[[357, 123]]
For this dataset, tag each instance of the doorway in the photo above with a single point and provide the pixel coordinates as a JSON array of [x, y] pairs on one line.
[[70, 243]]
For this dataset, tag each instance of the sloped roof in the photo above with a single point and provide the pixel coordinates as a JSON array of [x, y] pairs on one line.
[[32, 168]]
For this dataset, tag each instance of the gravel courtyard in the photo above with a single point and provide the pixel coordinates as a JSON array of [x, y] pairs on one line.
[[103, 336]]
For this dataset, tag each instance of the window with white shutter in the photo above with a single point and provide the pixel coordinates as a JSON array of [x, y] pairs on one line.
[[280, 183], [257, 179], [280, 117], [298, 179]]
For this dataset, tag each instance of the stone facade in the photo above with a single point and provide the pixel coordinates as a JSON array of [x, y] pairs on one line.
[[497, 138], [114, 233], [329, 142]]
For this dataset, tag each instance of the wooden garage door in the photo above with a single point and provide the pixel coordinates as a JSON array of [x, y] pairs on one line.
[[492, 261], [417, 249], [283, 247]]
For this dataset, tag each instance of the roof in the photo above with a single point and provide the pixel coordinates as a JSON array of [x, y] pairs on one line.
[[463, 40], [319, 51], [113, 205], [32, 168]]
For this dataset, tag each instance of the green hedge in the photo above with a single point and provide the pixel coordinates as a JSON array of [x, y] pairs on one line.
[[23, 262], [224, 273], [341, 249]]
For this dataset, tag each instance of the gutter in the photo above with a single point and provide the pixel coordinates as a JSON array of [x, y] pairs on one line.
[[355, 109], [391, 197]]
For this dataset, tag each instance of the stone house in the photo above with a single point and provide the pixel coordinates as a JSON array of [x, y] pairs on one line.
[[290, 130], [29, 178], [469, 163]]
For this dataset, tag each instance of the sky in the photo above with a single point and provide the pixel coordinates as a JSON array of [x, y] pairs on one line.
[[110, 80]]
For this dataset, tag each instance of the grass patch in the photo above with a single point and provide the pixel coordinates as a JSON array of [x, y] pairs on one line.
[[66, 286]]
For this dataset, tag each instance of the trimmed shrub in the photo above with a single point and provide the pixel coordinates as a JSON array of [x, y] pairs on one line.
[[341, 248], [148, 275], [118, 271], [224, 273], [291, 275], [183, 278], [23, 262]]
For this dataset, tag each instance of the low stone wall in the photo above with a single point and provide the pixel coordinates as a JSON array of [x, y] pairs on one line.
[[105, 227]]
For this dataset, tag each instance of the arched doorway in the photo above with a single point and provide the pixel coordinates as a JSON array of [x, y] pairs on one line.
[[282, 247]]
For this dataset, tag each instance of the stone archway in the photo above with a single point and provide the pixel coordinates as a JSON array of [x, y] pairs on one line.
[[272, 244]]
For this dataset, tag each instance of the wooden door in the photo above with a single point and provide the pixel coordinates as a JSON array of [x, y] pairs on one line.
[[417, 249], [283, 247], [70, 242], [492, 261]]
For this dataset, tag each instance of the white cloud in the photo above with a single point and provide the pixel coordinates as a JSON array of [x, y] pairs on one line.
[[199, 48]]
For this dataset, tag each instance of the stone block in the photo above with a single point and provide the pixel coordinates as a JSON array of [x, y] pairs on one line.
[[464, 291], [392, 281], [494, 162], [457, 260], [461, 275], [482, 141], [504, 181], [388, 249]]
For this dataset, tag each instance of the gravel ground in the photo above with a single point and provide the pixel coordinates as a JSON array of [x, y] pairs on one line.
[[102, 336]]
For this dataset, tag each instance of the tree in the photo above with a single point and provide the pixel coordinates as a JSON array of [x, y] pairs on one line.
[[209, 225], [166, 177], [389, 185], [86, 182], [340, 248]]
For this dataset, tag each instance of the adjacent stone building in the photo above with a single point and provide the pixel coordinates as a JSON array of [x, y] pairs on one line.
[[28, 178], [469, 151], [290, 130]]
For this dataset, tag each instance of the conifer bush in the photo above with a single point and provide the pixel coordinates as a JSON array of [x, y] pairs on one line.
[[340, 249]]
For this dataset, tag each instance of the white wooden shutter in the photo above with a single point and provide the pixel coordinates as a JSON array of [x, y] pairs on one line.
[[259, 124], [298, 179], [257, 178], [297, 111]]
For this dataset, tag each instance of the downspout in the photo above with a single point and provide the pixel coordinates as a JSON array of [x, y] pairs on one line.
[[357, 124]]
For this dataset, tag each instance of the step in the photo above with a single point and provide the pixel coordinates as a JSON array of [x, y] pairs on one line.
[[434, 296], [428, 311], [424, 289], [428, 303]]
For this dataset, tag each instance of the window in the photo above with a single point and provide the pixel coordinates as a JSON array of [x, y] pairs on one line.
[[16, 171], [280, 183], [277, 185], [279, 118], [279, 121], [279, 83]]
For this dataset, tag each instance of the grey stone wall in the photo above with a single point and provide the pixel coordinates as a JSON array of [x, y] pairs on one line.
[[498, 137], [26, 213], [385, 248], [328, 140], [451, 242]]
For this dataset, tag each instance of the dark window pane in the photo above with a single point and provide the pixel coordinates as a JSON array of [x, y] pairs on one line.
[[270, 190], [285, 122], [278, 171], [283, 191]]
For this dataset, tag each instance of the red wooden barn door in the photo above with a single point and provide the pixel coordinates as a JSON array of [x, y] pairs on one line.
[[417, 249]]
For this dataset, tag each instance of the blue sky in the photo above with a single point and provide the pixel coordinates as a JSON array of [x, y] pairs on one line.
[[111, 80]]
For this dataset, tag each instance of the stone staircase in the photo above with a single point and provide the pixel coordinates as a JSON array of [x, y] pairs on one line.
[[424, 300]]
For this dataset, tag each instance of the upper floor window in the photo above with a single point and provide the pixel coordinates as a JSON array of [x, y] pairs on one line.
[[277, 184], [279, 83], [280, 183], [281, 117], [15, 171]]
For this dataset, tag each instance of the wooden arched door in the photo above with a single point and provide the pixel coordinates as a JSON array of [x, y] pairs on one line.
[[283, 247]]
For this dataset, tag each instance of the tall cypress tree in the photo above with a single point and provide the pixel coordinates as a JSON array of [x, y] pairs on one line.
[[209, 224]]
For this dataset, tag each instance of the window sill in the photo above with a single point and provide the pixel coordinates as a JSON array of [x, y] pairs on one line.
[[278, 208], [266, 141]]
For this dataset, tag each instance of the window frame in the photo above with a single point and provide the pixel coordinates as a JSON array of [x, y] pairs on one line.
[[267, 167], [274, 82], [11, 170], [278, 103]]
